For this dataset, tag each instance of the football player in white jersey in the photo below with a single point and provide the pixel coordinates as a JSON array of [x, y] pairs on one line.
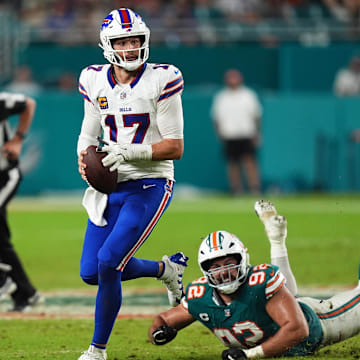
[[136, 107]]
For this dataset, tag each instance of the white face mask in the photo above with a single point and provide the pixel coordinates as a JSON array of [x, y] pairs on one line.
[[118, 57], [227, 278]]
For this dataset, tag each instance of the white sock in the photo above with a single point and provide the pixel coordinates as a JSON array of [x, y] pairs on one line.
[[277, 250], [280, 258]]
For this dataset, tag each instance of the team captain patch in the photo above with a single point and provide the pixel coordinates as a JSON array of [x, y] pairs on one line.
[[103, 102]]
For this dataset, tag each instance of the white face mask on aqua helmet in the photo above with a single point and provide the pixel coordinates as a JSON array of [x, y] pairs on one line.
[[219, 244], [123, 23]]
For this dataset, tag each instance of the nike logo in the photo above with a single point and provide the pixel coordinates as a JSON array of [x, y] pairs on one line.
[[176, 71], [148, 186]]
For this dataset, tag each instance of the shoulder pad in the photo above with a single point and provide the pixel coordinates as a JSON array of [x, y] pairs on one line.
[[196, 289], [87, 76], [268, 276], [91, 71], [171, 80]]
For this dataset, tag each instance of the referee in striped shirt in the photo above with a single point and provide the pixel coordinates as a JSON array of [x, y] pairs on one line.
[[13, 279]]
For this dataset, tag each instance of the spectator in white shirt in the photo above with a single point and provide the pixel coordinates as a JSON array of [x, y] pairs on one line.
[[236, 112], [347, 80]]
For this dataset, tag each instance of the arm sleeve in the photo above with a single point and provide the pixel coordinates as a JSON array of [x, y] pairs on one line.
[[91, 124], [170, 118], [274, 283], [90, 128], [256, 105], [185, 304], [172, 83]]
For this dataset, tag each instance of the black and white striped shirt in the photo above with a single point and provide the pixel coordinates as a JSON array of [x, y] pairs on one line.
[[10, 104]]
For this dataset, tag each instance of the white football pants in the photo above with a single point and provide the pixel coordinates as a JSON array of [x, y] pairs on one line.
[[339, 315]]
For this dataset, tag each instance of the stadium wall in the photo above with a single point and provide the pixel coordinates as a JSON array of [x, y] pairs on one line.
[[287, 67], [306, 144]]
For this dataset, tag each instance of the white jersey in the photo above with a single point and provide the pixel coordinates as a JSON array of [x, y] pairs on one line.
[[145, 111], [347, 83], [10, 104], [236, 113]]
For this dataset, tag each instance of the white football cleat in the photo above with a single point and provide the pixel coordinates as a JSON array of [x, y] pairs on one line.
[[93, 353], [172, 276], [7, 288], [264, 209], [5, 267], [275, 225]]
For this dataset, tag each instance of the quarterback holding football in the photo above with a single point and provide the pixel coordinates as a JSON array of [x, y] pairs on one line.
[[249, 308], [135, 108]]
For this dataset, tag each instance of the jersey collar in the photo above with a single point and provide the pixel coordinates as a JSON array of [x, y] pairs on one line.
[[217, 298], [112, 81], [138, 75], [110, 76]]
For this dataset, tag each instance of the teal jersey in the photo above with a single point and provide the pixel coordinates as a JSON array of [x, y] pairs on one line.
[[245, 322], [312, 342]]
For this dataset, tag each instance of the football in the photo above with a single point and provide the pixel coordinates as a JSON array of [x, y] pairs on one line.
[[99, 176]]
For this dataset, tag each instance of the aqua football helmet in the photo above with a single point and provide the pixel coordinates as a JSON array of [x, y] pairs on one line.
[[219, 244], [124, 23]]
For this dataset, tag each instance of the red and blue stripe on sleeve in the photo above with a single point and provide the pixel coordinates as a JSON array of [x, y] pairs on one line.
[[84, 93], [172, 88]]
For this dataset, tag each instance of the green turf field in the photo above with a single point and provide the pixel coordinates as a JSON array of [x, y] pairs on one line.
[[323, 236], [323, 244], [65, 339]]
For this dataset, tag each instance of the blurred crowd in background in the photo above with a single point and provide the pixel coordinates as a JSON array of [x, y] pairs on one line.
[[192, 21], [297, 55], [176, 23]]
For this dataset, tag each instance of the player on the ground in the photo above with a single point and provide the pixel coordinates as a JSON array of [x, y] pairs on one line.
[[249, 308], [136, 107]]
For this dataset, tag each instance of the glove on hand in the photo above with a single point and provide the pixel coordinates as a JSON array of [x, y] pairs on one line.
[[233, 354], [119, 153], [163, 334]]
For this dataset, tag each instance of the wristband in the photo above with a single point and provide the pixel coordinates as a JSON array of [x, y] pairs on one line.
[[139, 152], [20, 134], [254, 353]]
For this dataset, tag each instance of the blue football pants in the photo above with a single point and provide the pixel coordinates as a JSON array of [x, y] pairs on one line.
[[107, 258]]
